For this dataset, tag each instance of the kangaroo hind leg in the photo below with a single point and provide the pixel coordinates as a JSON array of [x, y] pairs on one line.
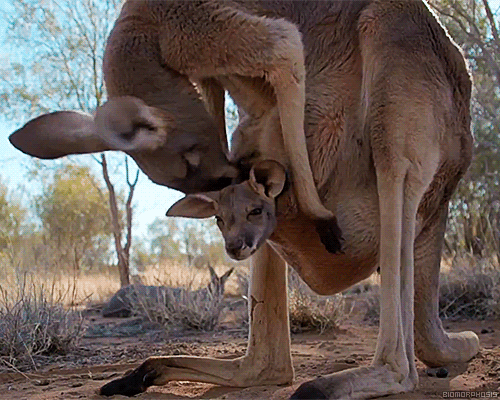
[[404, 135], [267, 360]]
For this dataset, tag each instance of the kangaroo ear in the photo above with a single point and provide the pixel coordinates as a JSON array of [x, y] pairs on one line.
[[59, 134], [213, 275], [226, 275], [127, 123], [200, 205], [268, 178]]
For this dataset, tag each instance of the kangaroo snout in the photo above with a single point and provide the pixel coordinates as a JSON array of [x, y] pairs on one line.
[[239, 249], [234, 247]]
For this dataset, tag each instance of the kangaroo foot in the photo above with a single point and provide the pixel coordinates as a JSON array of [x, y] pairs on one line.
[[356, 383], [132, 383], [444, 348], [239, 372]]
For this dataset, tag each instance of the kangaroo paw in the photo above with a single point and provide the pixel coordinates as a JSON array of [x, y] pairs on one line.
[[135, 382], [330, 235]]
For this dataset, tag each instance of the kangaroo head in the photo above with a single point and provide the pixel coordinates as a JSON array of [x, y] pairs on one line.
[[245, 212], [177, 145], [217, 283]]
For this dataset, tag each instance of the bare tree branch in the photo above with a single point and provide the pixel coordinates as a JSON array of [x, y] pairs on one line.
[[475, 37], [493, 25], [123, 255]]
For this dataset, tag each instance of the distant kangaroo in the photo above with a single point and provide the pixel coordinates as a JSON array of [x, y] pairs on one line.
[[128, 297]]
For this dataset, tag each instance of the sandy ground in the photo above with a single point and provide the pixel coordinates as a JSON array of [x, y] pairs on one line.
[[114, 346]]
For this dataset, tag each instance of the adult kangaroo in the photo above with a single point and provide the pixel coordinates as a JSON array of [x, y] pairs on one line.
[[388, 130], [156, 52]]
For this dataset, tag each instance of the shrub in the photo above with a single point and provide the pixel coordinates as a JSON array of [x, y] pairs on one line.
[[198, 309], [471, 289], [34, 324], [311, 312], [181, 307]]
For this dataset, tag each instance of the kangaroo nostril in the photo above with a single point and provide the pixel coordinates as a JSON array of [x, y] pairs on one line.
[[235, 245]]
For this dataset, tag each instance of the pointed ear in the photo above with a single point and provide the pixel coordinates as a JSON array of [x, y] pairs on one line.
[[127, 123], [200, 205], [268, 178], [59, 134], [213, 275], [226, 275]]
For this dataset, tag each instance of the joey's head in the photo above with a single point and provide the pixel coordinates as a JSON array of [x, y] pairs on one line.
[[245, 213]]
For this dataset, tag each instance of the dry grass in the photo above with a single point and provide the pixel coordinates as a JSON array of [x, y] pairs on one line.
[[178, 275], [469, 289], [98, 287], [310, 312], [34, 325], [185, 308], [175, 297], [188, 307]]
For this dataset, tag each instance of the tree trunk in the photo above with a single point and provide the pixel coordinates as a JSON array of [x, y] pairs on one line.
[[122, 252]]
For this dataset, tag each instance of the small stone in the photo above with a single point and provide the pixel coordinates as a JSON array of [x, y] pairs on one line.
[[437, 372]]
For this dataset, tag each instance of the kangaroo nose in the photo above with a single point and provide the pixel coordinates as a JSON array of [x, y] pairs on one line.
[[235, 246]]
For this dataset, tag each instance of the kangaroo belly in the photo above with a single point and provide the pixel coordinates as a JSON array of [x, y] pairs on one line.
[[296, 240]]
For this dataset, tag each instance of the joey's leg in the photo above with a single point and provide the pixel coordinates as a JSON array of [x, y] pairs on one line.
[[434, 346], [251, 46], [268, 357]]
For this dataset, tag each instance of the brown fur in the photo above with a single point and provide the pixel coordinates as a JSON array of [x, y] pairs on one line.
[[388, 132], [155, 53], [386, 101]]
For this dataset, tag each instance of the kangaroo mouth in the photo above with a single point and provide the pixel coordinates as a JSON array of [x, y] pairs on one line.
[[242, 255]]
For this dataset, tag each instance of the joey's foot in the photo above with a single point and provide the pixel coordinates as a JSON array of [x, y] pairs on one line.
[[134, 382], [330, 235]]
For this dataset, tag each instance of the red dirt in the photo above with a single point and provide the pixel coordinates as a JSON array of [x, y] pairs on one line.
[[99, 359]]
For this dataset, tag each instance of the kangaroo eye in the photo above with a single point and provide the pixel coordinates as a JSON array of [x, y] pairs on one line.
[[256, 211]]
